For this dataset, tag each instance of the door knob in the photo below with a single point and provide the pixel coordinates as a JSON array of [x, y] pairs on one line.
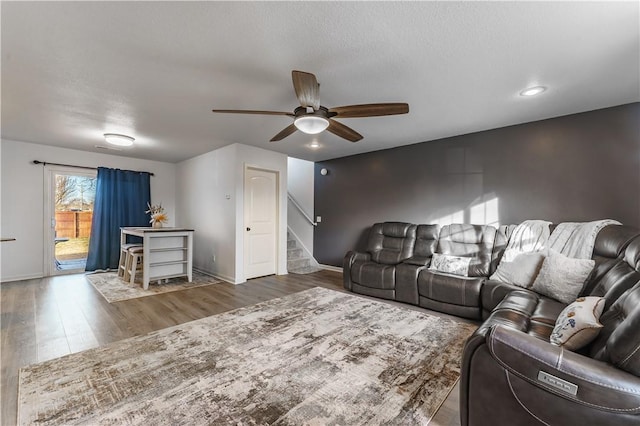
[[248, 229]]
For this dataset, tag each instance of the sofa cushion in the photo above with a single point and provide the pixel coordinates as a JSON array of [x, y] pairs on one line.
[[612, 240], [426, 240], [391, 242], [619, 340], [608, 250], [373, 275], [526, 311], [464, 291], [578, 323], [562, 277], [615, 282], [374, 292], [475, 241], [493, 292], [514, 311], [544, 317]]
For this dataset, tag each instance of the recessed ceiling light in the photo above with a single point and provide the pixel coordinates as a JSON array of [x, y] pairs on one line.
[[314, 145], [532, 91], [118, 140]]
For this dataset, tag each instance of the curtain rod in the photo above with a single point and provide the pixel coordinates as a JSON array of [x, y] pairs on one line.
[[44, 163]]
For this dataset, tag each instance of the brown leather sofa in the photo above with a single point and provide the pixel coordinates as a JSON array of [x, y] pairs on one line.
[[510, 373], [388, 272]]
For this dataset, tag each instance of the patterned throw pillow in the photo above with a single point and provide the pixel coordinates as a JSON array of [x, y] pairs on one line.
[[455, 265], [562, 277], [578, 324]]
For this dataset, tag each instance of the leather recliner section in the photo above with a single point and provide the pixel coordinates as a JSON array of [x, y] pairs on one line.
[[374, 273], [504, 359], [454, 294]]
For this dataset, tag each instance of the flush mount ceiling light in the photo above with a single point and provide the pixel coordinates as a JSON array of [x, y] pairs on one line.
[[311, 124], [532, 91], [118, 140]]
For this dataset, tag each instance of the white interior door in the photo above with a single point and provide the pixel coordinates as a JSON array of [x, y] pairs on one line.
[[260, 221]]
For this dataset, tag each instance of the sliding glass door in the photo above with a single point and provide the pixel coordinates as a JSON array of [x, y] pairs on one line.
[[70, 199]]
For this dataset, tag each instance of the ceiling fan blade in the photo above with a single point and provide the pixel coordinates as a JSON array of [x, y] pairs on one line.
[[369, 110], [284, 133], [307, 89], [244, 111], [343, 131]]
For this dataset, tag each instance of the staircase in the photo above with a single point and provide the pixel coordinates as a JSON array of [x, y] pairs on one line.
[[297, 262]]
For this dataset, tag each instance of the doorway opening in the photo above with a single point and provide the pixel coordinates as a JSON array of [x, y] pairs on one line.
[[72, 198]]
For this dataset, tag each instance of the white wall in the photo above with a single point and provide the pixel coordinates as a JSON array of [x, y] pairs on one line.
[[22, 198], [300, 186], [203, 185]]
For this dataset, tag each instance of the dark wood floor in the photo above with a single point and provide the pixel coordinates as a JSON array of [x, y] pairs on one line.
[[51, 317]]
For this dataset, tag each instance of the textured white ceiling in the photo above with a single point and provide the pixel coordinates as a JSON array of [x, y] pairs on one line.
[[154, 70]]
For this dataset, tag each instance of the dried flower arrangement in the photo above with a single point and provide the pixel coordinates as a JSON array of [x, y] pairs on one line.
[[158, 216]]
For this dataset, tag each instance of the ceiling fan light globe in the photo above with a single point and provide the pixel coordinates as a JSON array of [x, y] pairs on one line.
[[311, 125]]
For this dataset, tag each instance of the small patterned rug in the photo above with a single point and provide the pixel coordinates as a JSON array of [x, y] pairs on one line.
[[315, 357], [114, 289]]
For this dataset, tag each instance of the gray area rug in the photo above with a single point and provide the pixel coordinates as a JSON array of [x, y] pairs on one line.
[[315, 357], [114, 289]]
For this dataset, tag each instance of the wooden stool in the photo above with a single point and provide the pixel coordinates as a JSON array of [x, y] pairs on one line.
[[134, 255], [124, 252]]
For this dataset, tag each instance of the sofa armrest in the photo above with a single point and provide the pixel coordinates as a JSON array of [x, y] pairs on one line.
[[349, 258], [356, 255], [583, 380]]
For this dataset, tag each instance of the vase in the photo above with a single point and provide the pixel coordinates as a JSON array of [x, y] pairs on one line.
[[157, 225]]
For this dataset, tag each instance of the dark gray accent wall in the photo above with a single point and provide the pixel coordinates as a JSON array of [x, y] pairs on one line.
[[578, 167]]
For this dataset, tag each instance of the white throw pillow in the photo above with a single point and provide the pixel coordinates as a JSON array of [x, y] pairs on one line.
[[578, 324], [521, 271], [455, 265], [562, 277]]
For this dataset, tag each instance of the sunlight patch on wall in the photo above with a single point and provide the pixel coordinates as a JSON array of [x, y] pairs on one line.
[[485, 213], [484, 210], [456, 217]]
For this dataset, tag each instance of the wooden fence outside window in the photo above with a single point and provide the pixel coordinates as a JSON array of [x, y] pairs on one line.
[[73, 224]]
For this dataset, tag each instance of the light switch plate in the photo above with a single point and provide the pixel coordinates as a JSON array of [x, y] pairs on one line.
[[318, 219]]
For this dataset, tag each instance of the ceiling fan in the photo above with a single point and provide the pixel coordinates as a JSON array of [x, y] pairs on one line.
[[312, 118]]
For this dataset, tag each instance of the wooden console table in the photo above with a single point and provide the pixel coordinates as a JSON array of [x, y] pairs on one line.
[[167, 252]]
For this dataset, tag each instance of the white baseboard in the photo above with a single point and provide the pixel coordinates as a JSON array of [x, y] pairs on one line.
[[330, 267], [21, 278], [230, 280]]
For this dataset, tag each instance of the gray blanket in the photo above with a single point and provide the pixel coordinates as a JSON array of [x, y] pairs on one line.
[[576, 239]]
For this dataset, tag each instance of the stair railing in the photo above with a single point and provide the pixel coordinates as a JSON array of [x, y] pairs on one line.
[[295, 203]]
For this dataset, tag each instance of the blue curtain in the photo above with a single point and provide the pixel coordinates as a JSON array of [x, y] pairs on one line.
[[121, 200]]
